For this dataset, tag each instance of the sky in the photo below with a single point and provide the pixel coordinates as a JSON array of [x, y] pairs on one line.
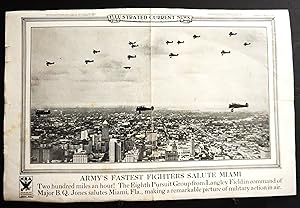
[[198, 78]]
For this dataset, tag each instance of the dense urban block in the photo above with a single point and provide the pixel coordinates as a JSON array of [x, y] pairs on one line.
[[94, 135]]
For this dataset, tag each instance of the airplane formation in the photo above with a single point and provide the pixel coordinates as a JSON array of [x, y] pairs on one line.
[[129, 57], [230, 35], [96, 51], [134, 45], [223, 52], [178, 43]]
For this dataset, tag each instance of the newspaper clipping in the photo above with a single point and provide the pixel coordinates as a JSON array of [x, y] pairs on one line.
[[148, 104]]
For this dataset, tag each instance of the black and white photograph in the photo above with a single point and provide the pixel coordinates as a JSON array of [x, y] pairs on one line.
[[149, 94], [148, 104]]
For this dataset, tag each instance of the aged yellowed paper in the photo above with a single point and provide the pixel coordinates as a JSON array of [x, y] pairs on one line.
[[148, 104]]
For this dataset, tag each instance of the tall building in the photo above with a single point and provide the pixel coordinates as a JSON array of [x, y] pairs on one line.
[[192, 147], [92, 137], [88, 147], [171, 153], [95, 141], [46, 155], [105, 131], [151, 137], [84, 135], [35, 155], [103, 147], [114, 150]]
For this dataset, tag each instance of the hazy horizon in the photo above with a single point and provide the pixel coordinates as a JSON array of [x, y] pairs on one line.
[[155, 108]]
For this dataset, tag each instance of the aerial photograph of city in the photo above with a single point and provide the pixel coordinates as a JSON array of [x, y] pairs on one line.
[[121, 95]]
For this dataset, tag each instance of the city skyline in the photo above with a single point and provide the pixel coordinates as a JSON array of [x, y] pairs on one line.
[[198, 79], [99, 136]]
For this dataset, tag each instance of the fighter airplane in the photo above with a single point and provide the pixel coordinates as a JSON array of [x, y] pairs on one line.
[[141, 108], [127, 67], [131, 43], [168, 42], [134, 46], [196, 36], [88, 61], [224, 52], [232, 106], [245, 44], [173, 54], [96, 51], [48, 63], [178, 42], [231, 34], [130, 57]]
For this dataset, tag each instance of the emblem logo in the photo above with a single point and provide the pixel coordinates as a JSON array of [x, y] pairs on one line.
[[25, 184]]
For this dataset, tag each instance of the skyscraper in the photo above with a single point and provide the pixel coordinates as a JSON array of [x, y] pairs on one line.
[[192, 147], [93, 139], [46, 155], [89, 146], [105, 131], [84, 134], [97, 139], [114, 150], [35, 155], [151, 136]]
